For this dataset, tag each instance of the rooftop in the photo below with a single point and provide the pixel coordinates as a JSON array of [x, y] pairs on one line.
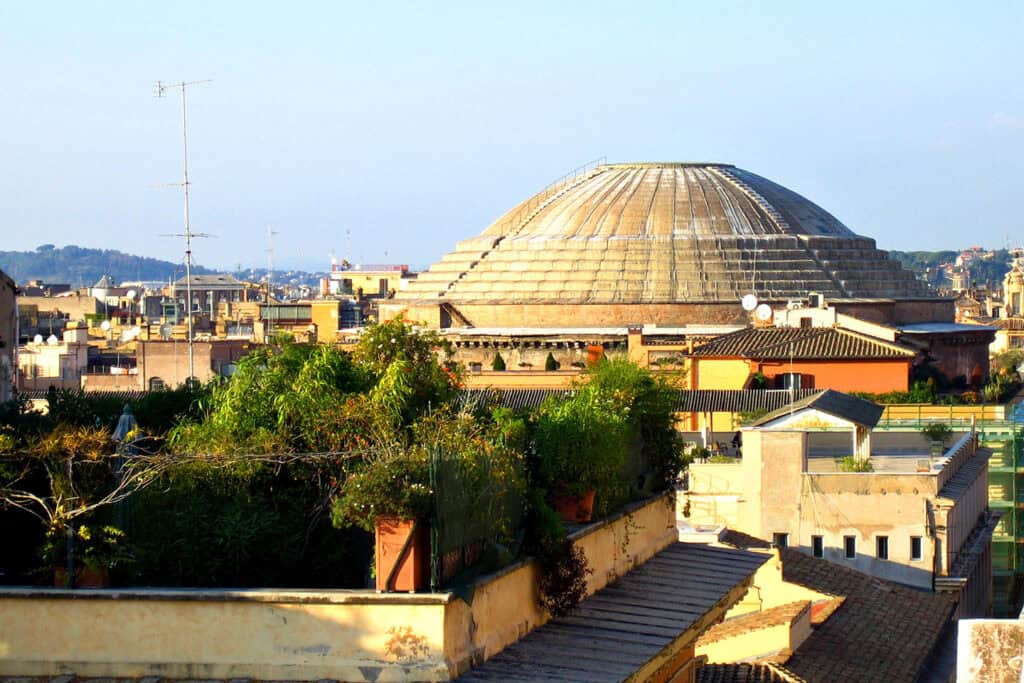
[[882, 631], [815, 343], [619, 629]]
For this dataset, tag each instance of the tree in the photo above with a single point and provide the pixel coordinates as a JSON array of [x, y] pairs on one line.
[[498, 364]]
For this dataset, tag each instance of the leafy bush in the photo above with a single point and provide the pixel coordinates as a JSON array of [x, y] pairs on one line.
[[937, 432], [498, 364], [386, 487], [852, 464], [550, 364]]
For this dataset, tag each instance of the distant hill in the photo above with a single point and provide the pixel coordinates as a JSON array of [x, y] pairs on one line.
[[983, 272], [79, 266]]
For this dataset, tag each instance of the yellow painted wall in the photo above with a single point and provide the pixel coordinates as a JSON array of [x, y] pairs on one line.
[[302, 635], [504, 608], [213, 638], [720, 374], [520, 379]]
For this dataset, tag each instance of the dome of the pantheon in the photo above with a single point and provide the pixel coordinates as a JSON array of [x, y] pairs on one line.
[[669, 243]]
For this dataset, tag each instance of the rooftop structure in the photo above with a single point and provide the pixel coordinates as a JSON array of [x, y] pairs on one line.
[[673, 242], [814, 476]]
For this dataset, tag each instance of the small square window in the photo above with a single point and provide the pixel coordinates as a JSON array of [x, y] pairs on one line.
[[780, 539], [818, 546], [850, 547], [882, 547], [915, 547]]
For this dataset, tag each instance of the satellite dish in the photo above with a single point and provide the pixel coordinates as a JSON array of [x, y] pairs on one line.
[[131, 294], [748, 302], [763, 312], [38, 339], [166, 330], [105, 325], [52, 340]]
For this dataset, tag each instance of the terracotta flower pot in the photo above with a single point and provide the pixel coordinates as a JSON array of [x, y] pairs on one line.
[[576, 509], [413, 568], [84, 577]]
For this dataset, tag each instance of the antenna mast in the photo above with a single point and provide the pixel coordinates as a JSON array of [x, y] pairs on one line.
[[161, 88], [270, 274]]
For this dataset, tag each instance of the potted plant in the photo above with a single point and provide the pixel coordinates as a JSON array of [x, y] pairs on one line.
[[391, 496], [938, 433], [581, 445], [98, 549]]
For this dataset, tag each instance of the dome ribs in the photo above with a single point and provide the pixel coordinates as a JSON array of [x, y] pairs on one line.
[[675, 234]]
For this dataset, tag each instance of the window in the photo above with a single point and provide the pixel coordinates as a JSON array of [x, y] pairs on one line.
[[382, 286], [915, 547], [818, 546], [850, 547], [780, 539], [882, 547]]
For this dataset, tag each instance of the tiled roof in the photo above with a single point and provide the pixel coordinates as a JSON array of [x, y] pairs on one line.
[[744, 673], [754, 621], [737, 400], [815, 343], [688, 400], [616, 631], [882, 631], [844, 406]]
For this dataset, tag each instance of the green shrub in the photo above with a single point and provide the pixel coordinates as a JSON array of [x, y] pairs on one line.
[[852, 464], [550, 364], [498, 364], [937, 432]]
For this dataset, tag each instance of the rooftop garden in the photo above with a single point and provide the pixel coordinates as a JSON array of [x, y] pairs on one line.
[[289, 473]]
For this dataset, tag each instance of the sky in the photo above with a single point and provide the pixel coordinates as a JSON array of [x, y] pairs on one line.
[[388, 131]]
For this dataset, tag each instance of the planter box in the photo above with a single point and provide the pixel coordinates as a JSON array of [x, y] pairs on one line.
[[392, 535]]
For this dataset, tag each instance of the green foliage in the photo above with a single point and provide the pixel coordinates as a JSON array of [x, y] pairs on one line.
[[498, 364], [937, 432], [852, 464], [922, 391], [758, 381], [550, 364], [722, 459], [385, 487], [563, 578], [222, 523], [88, 265], [615, 435], [279, 399], [749, 417], [431, 382]]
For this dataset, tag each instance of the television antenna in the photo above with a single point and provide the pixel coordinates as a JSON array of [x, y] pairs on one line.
[[270, 276], [161, 88]]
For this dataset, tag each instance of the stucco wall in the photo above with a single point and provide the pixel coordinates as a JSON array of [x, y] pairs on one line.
[[861, 375], [719, 374], [302, 635]]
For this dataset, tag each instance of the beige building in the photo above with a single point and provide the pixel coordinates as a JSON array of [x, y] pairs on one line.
[[8, 335], [54, 361], [915, 518]]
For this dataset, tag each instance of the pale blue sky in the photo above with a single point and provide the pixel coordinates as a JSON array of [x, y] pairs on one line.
[[414, 125]]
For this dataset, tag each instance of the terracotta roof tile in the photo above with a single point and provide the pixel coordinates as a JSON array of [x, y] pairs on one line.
[[782, 343], [754, 621], [881, 631], [744, 673]]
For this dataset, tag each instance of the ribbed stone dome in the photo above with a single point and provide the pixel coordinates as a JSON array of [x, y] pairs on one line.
[[665, 234]]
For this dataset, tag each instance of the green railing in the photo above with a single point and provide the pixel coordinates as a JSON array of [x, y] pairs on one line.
[[478, 501]]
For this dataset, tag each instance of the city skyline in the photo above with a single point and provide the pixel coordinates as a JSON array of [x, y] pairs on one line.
[[412, 128]]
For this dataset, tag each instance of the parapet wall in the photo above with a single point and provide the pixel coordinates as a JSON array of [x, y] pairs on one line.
[[302, 635]]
